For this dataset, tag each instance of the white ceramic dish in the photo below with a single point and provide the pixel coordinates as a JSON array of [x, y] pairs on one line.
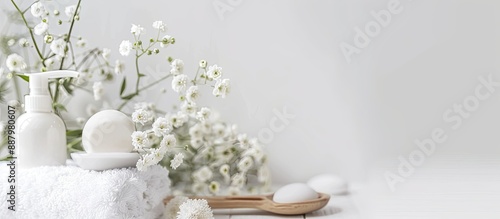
[[104, 161]]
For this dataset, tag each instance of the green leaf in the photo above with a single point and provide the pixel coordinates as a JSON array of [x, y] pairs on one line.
[[24, 77], [128, 97], [67, 86], [74, 133], [124, 84], [141, 75], [59, 107]]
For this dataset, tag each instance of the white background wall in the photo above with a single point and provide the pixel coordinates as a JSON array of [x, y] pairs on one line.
[[286, 54]]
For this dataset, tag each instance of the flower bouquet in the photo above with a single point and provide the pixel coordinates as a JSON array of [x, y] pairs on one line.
[[204, 154]]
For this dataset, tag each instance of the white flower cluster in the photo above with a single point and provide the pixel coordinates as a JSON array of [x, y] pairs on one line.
[[137, 30], [181, 207], [61, 46], [180, 82], [58, 44], [204, 155]]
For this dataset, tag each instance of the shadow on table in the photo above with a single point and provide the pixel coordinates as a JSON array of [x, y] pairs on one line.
[[326, 211]]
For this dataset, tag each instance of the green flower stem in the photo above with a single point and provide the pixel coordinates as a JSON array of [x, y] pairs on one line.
[[138, 74], [84, 60], [30, 30], [143, 88], [16, 87], [56, 95], [156, 82], [69, 33]]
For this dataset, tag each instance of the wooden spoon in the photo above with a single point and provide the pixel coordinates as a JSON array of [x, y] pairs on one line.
[[265, 203]]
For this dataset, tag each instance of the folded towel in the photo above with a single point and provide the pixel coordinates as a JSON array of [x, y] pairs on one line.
[[71, 192]]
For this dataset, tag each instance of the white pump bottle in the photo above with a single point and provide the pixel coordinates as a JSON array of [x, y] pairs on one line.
[[41, 134]]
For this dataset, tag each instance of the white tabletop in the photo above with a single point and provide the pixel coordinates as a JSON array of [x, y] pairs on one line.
[[338, 207]]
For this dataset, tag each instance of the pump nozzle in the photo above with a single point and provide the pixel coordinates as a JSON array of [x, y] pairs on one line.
[[39, 99]]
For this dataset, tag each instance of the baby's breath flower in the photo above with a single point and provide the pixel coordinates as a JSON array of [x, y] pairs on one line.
[[177, 67], [245, 164], [169, 142], [23, 42], [238, 180], [157, 155], [172, 207], [48, 38], [243, 141], [58, 47], [178, 119], [125, 48], [136, 29], [119, 67], [203, 174], [159, 25], [145, 162], [224, 170], [15, 63], [203, 114], [37, 9], [139, 140], [179, 83], [219, 130], [70, 11], [192, 93], [195, 208], [177, 161], [98, 90], [56, 13], [41, 28], [189, 107], [196, 131], [196, 142], [142, 116], [203, 64], [105, 53], [214, 72], [222, 88], [167, 40], [81, 43], [214, 187], [11, 42], [162, 126]]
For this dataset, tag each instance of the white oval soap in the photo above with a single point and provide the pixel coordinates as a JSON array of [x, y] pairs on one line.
[[328, 184], [108, 131], [295, 192]]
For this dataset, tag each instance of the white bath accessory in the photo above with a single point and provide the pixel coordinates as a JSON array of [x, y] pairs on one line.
[[295, 192], [104, 161], [71, 192], [328, 183], [41, 134], [108, 131]]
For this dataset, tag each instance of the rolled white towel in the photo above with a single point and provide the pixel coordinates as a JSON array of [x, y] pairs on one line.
[[71, 192]]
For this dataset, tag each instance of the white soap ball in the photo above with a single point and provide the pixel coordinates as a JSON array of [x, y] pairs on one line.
[[108, 131], [328, 184], [295, 192]]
